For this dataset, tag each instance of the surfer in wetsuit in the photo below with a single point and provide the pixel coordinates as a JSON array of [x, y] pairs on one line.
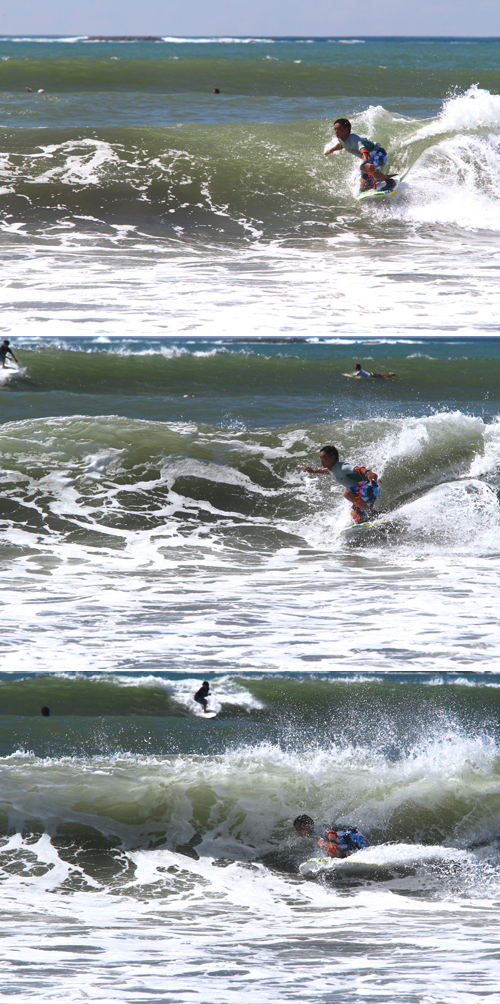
[[359, 372], [361, 486], [372, 155], [202, 694], [5, 351]]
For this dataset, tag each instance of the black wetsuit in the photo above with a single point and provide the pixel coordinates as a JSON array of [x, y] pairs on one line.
[[4, 352], [202, 696]]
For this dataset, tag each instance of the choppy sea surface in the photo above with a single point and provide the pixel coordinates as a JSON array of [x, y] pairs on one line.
[[187, 284]]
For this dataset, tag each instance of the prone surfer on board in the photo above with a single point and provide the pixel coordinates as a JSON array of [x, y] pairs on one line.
[[361, 485], [373, 156], [360, 372]]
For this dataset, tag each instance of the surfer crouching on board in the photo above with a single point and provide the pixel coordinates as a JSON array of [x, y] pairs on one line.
[[361, 486], [360, 372], [202, 694], [5, 351], [372, 155]]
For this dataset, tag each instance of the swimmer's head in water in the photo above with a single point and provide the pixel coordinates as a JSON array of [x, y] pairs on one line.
[[304, 825]]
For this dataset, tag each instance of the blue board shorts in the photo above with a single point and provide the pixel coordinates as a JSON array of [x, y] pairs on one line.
[[368, 492], [377, 157]]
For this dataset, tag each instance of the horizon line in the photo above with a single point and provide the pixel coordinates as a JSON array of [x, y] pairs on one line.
[[256, 37]]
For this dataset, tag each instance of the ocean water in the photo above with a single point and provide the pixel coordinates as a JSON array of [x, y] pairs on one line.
[[187, 283]]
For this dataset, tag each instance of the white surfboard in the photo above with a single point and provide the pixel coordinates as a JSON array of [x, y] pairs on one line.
[[209, 714], [9, 373], [400, 858], [372, 193]]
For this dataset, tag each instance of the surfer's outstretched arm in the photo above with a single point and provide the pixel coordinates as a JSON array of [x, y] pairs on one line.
[[315, 470], [332, 149]]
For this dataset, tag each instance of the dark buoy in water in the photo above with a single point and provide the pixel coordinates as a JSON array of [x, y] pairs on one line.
[[45, 711]]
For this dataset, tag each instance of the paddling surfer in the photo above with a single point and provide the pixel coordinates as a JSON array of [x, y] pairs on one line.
[[360, 485], [372, 155], [360, 372]]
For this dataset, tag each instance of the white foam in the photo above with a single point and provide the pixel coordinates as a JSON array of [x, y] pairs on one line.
[[465, 112], [224, 691], [83, 161], [220, 39]]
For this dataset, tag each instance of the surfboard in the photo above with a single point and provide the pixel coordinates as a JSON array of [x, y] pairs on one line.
[[372, 193], [10, 372], [209, 714], [402, 859], [314, 866], [363, 526]]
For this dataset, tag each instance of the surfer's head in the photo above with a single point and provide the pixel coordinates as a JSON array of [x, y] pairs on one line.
[[329, 456], [304, 825], [342, 128]]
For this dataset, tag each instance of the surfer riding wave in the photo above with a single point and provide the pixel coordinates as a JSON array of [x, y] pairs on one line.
[[373, 156], [361, 485]]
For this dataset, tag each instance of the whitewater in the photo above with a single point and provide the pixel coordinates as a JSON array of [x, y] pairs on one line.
[[188, 283]]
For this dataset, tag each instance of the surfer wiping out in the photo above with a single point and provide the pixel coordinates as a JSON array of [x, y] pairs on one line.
[[360, 372], [337, 843], [361, 485], [373, 156]]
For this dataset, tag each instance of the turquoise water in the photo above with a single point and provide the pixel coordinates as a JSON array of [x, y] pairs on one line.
[[187, 283]]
